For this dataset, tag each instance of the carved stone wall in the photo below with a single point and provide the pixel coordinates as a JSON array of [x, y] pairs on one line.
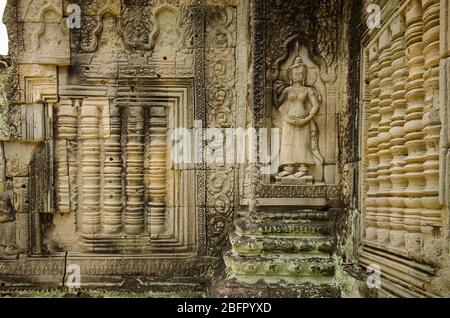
[[299, 65], [353, 118], [97, 105], [220, 77], [404, 150], [312, 34]]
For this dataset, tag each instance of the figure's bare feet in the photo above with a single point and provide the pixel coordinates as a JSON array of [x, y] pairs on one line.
[[300, 174], [10, 248], [285, 173], [4, 217]]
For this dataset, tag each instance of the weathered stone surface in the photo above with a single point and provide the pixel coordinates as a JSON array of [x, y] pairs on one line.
[[335, 147], [404, 170]]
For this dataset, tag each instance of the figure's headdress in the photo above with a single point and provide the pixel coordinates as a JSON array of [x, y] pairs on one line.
[[298, 63]]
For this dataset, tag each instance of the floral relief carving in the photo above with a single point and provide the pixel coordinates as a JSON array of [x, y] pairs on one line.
[[220, 59], [136, 25], [220, 203], [221, 72]]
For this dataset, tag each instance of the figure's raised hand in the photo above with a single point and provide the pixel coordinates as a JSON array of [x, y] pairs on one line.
[[279, 87]]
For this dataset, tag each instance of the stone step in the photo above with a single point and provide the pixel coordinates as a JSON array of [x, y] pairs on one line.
[[248, 245], [294, 246], [300, 215], [232, 288], [264, 266], [288, 227]]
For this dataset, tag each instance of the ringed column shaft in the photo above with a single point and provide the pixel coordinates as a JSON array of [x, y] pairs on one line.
[[157, 170], [431, 215], [90, 167], [67, 129], [414, 113], [372, 143], [384, 138], [397, 176], [112, 173], [134, 210]]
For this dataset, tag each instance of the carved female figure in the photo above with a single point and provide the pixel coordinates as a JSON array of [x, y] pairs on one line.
[[298, 127], [7, 230]]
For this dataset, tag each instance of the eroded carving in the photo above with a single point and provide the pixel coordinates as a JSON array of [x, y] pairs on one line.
[[46, 34], [299, 131], [7, 225], [299, 106]]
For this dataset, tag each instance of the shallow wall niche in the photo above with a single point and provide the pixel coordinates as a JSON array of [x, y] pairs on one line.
[[317, 154], [137, 70], [123, 189], [307, 172], [46, 33]]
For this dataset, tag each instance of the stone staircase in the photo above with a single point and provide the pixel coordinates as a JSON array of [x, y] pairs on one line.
[[292, 249]]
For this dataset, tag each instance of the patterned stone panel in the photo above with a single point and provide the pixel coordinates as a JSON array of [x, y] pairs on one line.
[[220, 66]]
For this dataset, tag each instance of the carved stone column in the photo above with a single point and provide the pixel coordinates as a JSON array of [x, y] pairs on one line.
[[372, 143], [134, 211], [89, 179], [67, 129], [112, 174], [156, 170], [431, 216], [413, 126], [397, 131], [384, 137]]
